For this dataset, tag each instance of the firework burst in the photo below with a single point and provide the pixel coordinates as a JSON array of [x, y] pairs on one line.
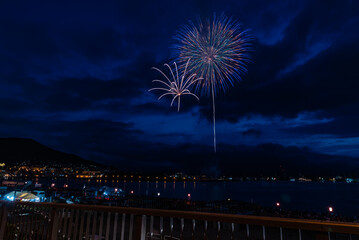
[[219, 51], [179, 86]]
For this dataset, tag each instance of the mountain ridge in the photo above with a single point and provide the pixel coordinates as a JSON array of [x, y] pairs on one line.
[[235, 160], [29, 151]]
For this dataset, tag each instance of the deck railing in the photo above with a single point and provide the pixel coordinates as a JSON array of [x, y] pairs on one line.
[[24, 220]]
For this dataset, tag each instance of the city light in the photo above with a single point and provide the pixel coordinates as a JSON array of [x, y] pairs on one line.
[[79, 106], [10, 198]]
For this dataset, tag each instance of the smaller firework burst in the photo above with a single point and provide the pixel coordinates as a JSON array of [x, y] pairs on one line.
[[179, 86]]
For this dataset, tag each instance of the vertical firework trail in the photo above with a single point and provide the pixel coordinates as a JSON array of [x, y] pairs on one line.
[[219, 51]]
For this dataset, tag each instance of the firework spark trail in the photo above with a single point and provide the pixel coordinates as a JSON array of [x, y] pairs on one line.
[[219, 53], [179, 86]]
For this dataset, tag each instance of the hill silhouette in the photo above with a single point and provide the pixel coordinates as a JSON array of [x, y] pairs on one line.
[[29, 152], [235, 160]]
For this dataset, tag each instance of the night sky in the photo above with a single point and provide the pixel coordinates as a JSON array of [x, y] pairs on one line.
[[75, 77]]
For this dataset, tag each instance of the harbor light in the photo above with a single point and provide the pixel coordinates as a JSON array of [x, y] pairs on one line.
[[277, 204], [330, 209], [158, 194], [189, 195], [10, 198], [131, 192]]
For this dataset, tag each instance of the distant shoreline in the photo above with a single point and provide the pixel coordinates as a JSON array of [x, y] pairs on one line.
[[169, 180]]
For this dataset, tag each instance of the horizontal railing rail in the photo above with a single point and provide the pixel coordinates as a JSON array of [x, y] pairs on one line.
[[70, 221]]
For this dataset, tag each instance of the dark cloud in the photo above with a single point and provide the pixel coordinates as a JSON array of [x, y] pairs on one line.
[[342, 127], [76, 76], [252, 132], [26, 39], [324, 81]]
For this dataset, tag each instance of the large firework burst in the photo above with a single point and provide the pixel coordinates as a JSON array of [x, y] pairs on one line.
[[179, 86], [219, 51]]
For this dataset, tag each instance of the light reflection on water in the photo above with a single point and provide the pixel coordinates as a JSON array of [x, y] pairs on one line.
[[311, 196]]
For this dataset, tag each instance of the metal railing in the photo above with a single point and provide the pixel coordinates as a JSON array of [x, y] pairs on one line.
[[25, 220]]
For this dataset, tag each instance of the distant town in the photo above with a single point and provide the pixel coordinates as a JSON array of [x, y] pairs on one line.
[[24, 171], [25, 183]]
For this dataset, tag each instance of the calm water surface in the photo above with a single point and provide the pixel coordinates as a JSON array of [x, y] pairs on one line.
[[310, 196]]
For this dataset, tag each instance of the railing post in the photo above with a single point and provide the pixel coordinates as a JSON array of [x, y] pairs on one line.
[[3, 222], [247, 231], [143, 227], [53, 224], [140, 227]]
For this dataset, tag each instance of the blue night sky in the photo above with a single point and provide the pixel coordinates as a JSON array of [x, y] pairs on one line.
[[75, 77]]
